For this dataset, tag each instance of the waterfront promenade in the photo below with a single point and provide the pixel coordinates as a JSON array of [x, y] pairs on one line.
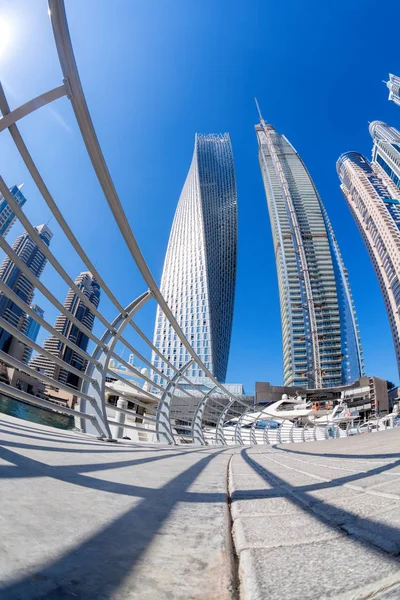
[[82, 518]]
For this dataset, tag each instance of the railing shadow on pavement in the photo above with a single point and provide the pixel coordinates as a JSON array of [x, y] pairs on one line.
[[96, 447], [97, 566], [337, 455], [321, 510]]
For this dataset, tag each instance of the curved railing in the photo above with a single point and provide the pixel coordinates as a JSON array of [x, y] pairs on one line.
[[100, 380], [170, 410]]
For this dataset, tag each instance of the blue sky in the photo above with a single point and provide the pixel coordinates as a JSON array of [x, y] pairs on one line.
[[157, 72]]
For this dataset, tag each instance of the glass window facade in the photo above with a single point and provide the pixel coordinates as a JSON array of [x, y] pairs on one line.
[[198, 280], [317, 312], [372, 199], [7, 216]]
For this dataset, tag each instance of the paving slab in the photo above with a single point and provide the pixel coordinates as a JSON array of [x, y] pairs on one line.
[[339, 518], [86, 519], [322, 570], [274, 531], [244, 505]]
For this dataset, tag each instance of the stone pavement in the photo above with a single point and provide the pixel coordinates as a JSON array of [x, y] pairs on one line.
[[87, 519], [318, 520], [93, 520]]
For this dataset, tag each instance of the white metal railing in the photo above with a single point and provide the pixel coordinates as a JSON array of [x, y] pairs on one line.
[[255, 426], [212, 415], [155, 400]]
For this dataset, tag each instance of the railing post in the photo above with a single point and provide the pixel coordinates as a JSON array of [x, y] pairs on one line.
[[292, 432], [197, 432], [163, 425], [120, 417], [219, 430], [102, 356], [237, 434], [253, 439], [265, 437]]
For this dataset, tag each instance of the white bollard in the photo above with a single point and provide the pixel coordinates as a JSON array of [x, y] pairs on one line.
[[120, 417]]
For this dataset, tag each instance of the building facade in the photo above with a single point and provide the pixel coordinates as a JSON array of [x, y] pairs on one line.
[[386, 152], [394, 88], [321, 343], [373, 195], [7, 217], [198, 280], [30, 254], [32, 331], [91, 289]]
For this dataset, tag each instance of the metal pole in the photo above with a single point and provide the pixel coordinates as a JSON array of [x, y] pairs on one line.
[[120, 417]]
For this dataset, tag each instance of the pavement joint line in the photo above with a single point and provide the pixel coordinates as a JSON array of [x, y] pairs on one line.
[[351, 486], [330, 466], [235, 590], [346, 528], [293, 544], [356, 458], [375, 485], [297, 495]]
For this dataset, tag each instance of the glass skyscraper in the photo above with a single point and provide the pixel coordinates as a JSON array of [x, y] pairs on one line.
[[30, 254], [7, 217], [91, 289], [198, 280], [32, 330], [321, 344], [373, 195]]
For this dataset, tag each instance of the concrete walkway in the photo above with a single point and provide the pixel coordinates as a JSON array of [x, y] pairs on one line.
[[91, 520], [318, 520]]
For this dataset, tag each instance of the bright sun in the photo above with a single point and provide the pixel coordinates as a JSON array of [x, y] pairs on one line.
[[5, 36]]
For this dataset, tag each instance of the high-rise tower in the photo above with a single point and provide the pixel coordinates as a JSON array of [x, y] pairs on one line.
[[394, 88], [386, 151], [198, 280], [7, 216], [91, 289], [321, 345], [373, 195], [30, 254], [32, 330]]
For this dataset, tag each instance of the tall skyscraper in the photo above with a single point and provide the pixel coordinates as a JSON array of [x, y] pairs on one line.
[[321, 344], [32, 331], [7, 217], [28, 251], [394, 88], [386, 151], [91, 289], [373, 195], [198, 280]]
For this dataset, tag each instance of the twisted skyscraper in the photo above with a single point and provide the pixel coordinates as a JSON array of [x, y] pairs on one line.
[[198, 280], [321, 345]]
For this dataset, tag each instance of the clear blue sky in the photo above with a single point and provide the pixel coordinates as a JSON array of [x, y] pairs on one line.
[[157, 71]]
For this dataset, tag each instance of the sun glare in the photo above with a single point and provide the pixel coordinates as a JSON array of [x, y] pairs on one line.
[[5, 36]]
